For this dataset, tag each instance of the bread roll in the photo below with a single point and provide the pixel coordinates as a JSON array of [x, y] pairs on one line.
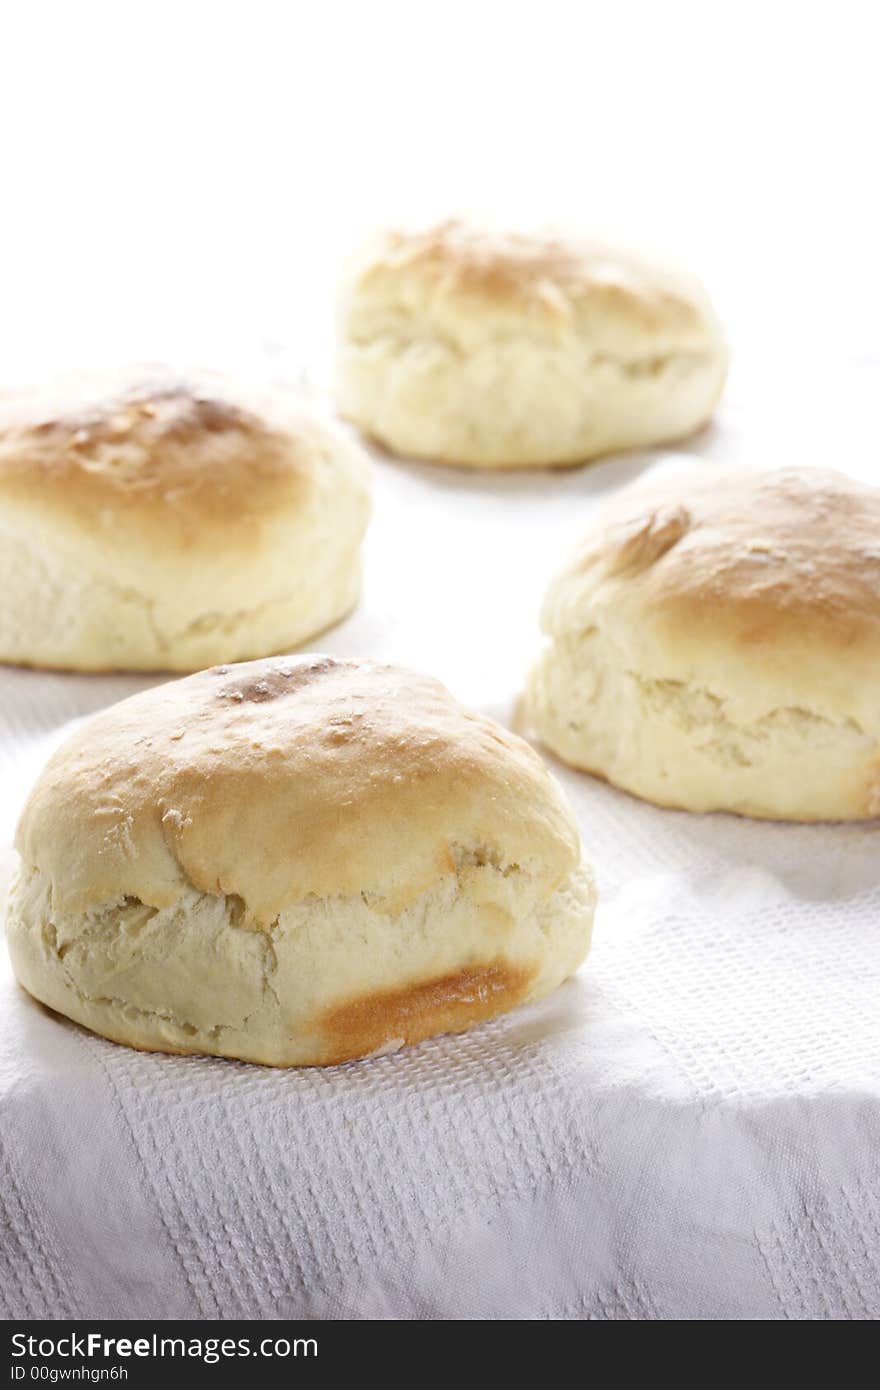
[[714, 644], [151, 523], [505, 351], [295, 861]]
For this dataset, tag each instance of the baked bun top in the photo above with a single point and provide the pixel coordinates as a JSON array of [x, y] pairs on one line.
[[287, 778], [194, 460], [468, 277], [780, 568]]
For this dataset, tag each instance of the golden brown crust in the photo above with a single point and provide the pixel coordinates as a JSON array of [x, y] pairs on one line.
[[180, 454], [791, 553], [495, 350], [388, 1019], [411, 1013], [715, 645], [277, 779], [546, 273], [294, 861], [152, 523]]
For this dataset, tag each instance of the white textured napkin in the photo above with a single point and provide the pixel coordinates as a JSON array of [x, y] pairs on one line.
[[689, 1129]]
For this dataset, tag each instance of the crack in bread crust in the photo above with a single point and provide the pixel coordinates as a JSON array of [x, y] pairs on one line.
[[284, 994]]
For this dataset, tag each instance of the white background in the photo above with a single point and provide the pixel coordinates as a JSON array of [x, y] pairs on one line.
[[689, 1128], [181, 179]]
